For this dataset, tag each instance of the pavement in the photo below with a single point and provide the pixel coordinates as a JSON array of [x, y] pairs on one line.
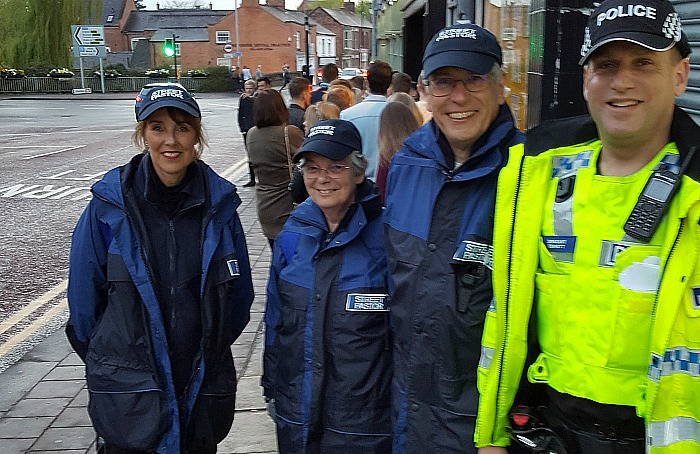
[[43, 398]]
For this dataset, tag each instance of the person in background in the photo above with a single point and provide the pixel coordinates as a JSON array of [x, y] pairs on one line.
[[365, 115], [422, 102], [235, 79], [396, 122], [320, 111], [400, 83], [596, 315], [271, 143], [359, 88], [440, 196], [264, 83], [258, 73], [245, 122], [340, 95], [286, 76], [159, 288], [300, 92], [331, 251], [329, 73], [246, 73], [408, 101]]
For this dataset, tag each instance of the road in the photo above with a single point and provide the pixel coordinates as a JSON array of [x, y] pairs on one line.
[[51, 151]]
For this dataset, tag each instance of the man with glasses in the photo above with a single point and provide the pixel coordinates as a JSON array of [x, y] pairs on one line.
[[439, 215]]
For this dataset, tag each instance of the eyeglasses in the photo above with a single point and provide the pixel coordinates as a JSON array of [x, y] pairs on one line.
[[333, 171], [443, 86]]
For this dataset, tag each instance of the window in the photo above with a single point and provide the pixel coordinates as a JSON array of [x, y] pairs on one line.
[[223, 36], [297, 37], [347, 39], [110, 18], [177, 48]]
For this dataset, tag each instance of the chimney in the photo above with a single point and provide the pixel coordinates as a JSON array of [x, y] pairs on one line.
[[276, 3], [349, 7], [157, 5], [211, 5]]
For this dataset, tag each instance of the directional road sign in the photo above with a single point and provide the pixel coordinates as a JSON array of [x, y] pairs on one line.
[[88, 35], [88, 41]]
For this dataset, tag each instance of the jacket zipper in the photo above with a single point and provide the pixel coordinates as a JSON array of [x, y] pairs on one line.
[[507, 296]]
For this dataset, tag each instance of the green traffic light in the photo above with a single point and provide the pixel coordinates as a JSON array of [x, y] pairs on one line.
[[169, 47]]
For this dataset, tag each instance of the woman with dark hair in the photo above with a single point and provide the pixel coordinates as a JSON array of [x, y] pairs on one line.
[[271, 144]]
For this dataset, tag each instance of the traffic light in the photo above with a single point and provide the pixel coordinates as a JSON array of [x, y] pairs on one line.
[[169, 47]]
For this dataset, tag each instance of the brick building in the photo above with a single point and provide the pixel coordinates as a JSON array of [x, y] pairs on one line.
[[269, 35], [353, 34]]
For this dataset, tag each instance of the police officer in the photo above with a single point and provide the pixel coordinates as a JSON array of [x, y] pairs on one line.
[[610, 303]]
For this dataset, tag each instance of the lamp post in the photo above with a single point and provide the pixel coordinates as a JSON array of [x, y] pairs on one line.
[[375, 8], [238, 49], [306, 32]]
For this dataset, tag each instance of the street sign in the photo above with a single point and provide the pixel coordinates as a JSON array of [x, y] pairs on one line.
[[89, 51], [238, 54], [88, 35], [88, 41], [228, 48]]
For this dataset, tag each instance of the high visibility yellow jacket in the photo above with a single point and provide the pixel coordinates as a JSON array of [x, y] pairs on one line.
[[669, 393]]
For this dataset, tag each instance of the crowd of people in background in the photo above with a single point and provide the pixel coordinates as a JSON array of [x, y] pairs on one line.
[[441, 282]]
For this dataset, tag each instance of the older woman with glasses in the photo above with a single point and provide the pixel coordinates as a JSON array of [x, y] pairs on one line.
[[327, 360]]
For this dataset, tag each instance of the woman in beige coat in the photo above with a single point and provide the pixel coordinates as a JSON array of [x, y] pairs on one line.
[[270, 154]]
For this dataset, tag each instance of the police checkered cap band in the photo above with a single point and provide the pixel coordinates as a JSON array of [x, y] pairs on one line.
[[155, 96], [653, 24]]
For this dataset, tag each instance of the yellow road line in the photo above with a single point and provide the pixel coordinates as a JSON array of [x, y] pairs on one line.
[[33, 306], [34, 327]]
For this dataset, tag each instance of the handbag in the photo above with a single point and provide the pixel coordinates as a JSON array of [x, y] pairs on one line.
[[296, 179], [289, 153]]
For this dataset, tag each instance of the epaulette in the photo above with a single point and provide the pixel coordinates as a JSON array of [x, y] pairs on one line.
[[561, 132]]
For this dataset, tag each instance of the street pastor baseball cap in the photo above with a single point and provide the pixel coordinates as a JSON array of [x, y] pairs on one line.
[[653, 24], [465, 46], [155, 96], [333, 139]]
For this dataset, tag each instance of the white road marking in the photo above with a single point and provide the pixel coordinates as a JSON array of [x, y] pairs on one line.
[[26, 158]]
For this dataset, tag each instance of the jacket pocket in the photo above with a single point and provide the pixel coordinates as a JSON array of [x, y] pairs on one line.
[[212, 415], [127, 407]]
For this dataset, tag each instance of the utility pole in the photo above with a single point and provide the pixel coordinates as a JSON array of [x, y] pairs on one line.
[[306, 31]]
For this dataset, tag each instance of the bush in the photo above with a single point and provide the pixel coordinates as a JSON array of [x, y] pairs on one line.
[[219, 79]]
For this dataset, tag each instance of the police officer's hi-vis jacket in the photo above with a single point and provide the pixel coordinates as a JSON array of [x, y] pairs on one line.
[[327, 359], [644, 350], [439, 224]]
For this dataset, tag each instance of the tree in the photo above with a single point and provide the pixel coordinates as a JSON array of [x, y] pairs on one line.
[[364, 9], [332, 4], [38, 32]]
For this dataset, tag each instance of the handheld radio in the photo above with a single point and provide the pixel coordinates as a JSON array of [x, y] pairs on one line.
[[654, 201]]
